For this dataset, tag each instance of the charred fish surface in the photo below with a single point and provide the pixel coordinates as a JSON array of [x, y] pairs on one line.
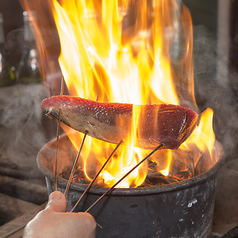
[[165, 124]]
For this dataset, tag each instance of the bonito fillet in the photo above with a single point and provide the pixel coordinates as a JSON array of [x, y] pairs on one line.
[[168, 124]]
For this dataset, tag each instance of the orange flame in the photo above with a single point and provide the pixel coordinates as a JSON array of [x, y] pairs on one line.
[[165, 171], [203, 136], [137, 52]]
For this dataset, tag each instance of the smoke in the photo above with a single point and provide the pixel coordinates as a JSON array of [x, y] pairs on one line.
[[211, 90], [24, 127], [216, 89]]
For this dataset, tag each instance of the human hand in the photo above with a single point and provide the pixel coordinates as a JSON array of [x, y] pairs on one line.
[[54, 221]]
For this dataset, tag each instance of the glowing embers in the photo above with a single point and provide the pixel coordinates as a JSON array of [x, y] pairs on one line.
[[163, 167]]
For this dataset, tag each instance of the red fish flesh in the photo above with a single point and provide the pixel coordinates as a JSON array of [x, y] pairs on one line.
[[168, 124]]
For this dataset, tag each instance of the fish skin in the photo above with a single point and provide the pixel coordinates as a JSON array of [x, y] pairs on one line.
[[168, 124]]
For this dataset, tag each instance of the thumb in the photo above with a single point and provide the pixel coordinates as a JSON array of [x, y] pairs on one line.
[[57, 202]]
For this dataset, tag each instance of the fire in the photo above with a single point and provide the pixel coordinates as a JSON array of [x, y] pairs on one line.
[[125, 51], [203, 136], [165, 171]]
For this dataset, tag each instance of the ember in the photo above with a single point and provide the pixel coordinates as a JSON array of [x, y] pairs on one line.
[[193, 164], [154, 178]]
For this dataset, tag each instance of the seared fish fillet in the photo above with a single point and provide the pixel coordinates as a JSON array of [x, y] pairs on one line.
[[168, 124]]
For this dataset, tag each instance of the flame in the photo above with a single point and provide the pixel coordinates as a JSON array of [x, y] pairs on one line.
[[165, 171], [137, 52], [203, 136]]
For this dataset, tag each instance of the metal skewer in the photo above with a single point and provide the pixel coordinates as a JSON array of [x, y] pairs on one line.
[[57, 136], [91, 183], [75, 163], [110, 189]]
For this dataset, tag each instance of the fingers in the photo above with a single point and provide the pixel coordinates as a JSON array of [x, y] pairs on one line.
[[75, 223], [57, 202], [54, 221]]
